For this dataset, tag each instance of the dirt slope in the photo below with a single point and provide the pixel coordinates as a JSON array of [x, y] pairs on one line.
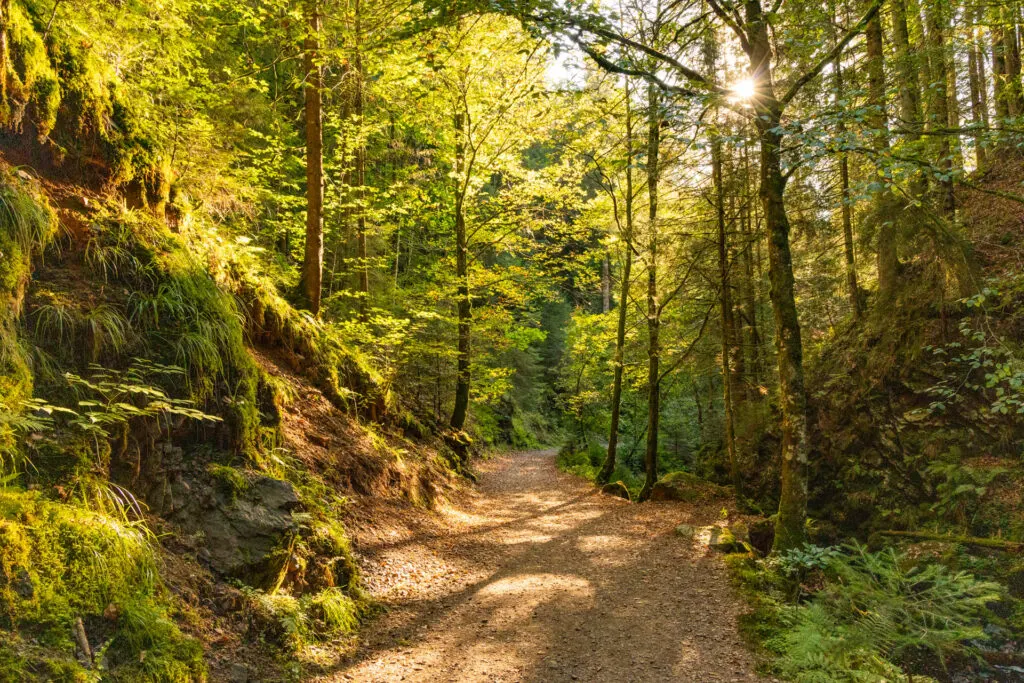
[[539, 578]]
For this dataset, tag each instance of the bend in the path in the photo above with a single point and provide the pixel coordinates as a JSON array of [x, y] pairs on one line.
[[542, 579]]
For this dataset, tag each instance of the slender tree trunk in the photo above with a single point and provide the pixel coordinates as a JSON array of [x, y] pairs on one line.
[[1001, 88], [725, 304], [313, 262], [5, 56], [750, 289], [653, 312], [465, 312], [979, 117], [1012, 55], [852, 290], [606, 283], [360, 179], [620, 333], [789, 526]]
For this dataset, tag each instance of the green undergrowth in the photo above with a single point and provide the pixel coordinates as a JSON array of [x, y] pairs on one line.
[[587, 464], [345, 375], [918, 416], [151, 298], [26, 225], [847, 614], [60, 563]]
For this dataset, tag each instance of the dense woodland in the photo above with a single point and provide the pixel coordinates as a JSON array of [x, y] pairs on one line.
[[283, 256]]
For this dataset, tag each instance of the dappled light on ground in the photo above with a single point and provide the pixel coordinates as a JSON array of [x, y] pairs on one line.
[[539, 578]]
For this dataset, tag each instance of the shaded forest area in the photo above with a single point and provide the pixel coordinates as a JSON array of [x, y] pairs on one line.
[[274, 268]]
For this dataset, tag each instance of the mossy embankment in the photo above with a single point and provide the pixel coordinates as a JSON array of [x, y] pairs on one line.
[[132, 400]]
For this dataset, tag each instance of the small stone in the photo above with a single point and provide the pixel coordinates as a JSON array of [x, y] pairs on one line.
[[686, 531], [239, 673]]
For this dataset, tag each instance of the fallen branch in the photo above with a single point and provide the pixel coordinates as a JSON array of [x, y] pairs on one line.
[[82, 639]]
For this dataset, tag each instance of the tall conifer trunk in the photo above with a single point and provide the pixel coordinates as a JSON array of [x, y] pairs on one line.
[[360, 170], [313, 261]]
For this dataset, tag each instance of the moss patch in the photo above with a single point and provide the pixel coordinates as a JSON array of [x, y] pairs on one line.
[[60, 563]]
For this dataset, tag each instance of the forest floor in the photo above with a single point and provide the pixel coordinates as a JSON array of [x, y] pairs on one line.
[[538, 577]]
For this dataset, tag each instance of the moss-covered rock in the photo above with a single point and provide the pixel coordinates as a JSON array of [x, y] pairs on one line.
[[617, 489], [687, 488]]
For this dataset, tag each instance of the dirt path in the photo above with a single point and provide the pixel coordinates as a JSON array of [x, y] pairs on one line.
[[540, 578]]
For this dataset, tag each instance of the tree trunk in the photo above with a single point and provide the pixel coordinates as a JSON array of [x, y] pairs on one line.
[[1000, 85], [979, 118], [888, 259], [939, 109], [725, 304], [907, 68], [750, 290], [620, 333], [1012, 55], [465, 312], [313, 261], [792, 517], [852, 290], [653, 313], [360, 179], [606, 284], [5, 56]]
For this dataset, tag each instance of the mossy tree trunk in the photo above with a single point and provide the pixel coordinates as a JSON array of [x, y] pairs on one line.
[[888, 259]]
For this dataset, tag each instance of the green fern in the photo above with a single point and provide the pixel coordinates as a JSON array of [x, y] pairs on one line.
[[877, 609]]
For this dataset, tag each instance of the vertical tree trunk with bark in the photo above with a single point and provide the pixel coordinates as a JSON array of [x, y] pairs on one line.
[[606, 283], [313, 261], [979, 117], [789, 526], [852, 290], [464, 304], [1012, 55], [653, 312], [725, 304], [360, 170], [620, 333], [888, 259], [1000, 85], [939, 109], [908, 71]]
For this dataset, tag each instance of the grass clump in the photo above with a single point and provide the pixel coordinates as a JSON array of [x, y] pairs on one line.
[[26, 224], [297, 622], [60, 563]]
